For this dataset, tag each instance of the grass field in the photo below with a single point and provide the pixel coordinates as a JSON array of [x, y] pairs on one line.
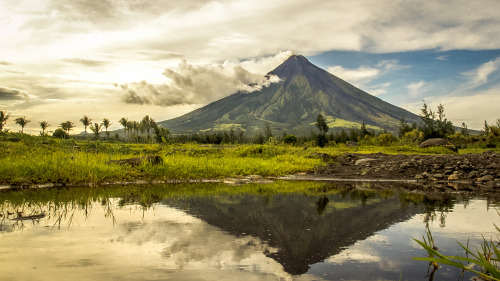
[[34, 160]]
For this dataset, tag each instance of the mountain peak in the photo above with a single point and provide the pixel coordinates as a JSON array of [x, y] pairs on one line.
[[294, 65], [293, 104]]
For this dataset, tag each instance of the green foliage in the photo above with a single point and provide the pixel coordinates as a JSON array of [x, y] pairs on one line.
[[464, 130], [386, 139], [323, 129], [67, 161], [3, 119], [486, 260], [60, 134], [290, 139], [405, 128], [96, 129], [435, 126], [67, 126], [268, 132], [86, 121], [22, 121]]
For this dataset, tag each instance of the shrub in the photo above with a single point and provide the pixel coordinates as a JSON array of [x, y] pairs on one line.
[[290, 139], [60, 134], [386, 139]]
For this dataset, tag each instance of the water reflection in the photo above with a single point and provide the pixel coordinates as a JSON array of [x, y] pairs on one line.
[[304, 231]]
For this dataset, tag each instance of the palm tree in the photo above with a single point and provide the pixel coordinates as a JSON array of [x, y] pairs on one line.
[[44, 125], [67, 126], [86, 122], [106, 124], [96, 128], [146, 124], [3, 119], [22, 121], [124, 123]]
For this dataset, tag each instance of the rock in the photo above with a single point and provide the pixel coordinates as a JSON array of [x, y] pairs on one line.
[[489, 184], [485, 178], [465, 168], [453, 176], [448, 172], [492, 166], [419, 176], [438, 142], [438, 176], [363, 161]]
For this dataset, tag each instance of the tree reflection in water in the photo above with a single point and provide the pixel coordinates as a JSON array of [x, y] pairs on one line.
[[303, 223]]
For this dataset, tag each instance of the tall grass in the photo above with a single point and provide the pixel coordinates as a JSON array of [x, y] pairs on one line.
[[35, 160], [60, 162]]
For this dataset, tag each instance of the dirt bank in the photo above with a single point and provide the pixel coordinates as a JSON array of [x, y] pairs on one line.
[[457, 171]]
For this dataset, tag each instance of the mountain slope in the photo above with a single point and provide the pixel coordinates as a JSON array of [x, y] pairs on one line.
[[293, 104]]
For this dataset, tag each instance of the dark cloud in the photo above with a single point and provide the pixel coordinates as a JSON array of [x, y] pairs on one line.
[[132, 97], [8, 94], [196, 85], [86, 62]]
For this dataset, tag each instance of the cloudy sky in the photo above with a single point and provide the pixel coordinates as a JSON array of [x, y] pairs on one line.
[[60, 60]]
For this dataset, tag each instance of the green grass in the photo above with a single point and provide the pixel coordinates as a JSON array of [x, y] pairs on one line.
[[34, 160], [28, 162]]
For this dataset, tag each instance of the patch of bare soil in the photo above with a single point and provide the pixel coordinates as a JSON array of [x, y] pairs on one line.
[[456, 171]]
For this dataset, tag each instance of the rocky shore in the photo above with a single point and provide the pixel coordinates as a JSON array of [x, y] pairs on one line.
[[455, 171]]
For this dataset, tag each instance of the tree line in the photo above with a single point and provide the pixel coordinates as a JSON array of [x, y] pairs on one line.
[[146, 130], [434, 124]]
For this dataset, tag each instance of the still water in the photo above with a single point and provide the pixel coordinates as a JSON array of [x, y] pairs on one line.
[[281, 231]]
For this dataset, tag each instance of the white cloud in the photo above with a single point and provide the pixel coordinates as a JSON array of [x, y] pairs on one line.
[[198, 84], [480, 75], [362, 73], [415, 89], [472, 110], [443, 58], [51, 44]]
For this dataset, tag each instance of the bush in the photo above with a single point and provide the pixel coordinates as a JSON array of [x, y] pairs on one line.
[[290, 139], [414, 136], [60, 134], [386, 139]]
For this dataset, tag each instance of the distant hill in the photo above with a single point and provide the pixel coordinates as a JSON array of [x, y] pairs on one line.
[[293, 104]]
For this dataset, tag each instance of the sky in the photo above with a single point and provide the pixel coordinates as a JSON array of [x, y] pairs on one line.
[[61, 60]]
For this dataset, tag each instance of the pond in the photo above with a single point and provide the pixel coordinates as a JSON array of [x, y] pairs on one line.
[[280, 231]]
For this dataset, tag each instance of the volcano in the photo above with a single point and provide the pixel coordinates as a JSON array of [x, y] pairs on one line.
[[293, 104]]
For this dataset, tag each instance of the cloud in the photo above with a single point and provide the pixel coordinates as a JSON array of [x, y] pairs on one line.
[[362, 73], [131, 41], [415, 89], [444, 57], [480, 75], [8, 94], [86, 62], [394, 26], [472, 110], [191, 84]]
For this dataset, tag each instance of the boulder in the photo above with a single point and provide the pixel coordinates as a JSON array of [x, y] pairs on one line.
[[363, 161], [438, 142]]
